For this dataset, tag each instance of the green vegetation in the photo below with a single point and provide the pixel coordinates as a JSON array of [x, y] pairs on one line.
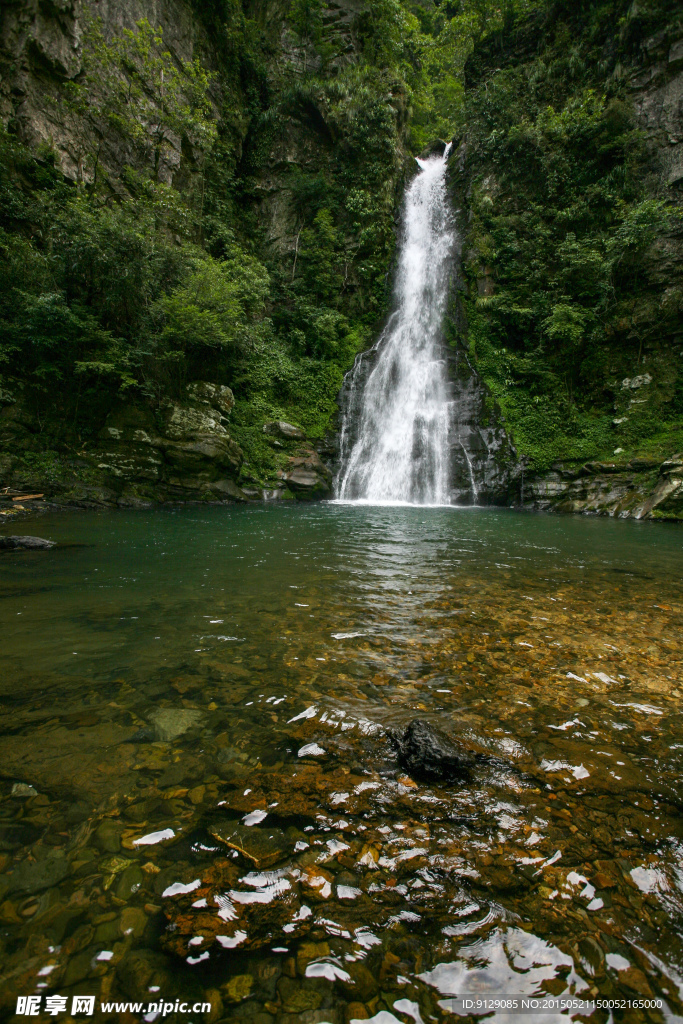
[[121, 284], [565, 251], [438, 39], [238, 225]]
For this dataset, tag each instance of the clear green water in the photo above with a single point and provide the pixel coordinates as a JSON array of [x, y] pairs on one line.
[[167, 674]]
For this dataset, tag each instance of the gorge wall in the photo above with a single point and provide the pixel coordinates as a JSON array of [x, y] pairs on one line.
[[569, 180], [265, 251], [198, 222]]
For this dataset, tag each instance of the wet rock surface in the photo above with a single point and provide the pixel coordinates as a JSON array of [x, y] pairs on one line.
[[264, 846], [279, 428], [639, 489], [19, 543], [427, 753], [307, 476], [181, 451], [220, 861], [484, 463], [170, 723]]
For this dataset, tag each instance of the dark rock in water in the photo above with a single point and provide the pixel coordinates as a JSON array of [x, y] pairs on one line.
[[145, 735], [16, 543], [426, 753]]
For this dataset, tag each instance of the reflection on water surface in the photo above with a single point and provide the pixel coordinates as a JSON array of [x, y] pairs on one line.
[[200, 800]]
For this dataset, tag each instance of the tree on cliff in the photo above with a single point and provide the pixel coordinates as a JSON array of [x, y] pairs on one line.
[[135, 87]]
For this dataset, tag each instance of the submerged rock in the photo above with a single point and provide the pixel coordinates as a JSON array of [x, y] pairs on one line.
[[425, 752], [169, 723], [35, 876], [23, 789], [264, 846], [16, 543]]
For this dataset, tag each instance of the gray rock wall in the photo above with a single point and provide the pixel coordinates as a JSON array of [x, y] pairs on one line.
[[41, 47], [182, 451], [657, 93], [484, 465], [640, 489]]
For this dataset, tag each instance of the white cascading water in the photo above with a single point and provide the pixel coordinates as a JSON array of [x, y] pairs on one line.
[[400, 452]]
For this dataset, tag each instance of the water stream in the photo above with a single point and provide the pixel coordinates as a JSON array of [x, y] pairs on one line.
[[199, 800], [470, 469], [394, 442]]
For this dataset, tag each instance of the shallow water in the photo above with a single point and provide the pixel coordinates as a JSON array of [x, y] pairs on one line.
[[198, 699]]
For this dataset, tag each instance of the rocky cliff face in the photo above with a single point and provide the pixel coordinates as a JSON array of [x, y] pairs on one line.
[[180, 451], [484, 465], [639, 488], [645, 339], [656, 88], [41, 48], [183, 449]]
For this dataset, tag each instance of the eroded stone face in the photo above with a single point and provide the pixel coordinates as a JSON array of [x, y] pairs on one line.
[[187, 420], [642, 489], [308, 477], [184, 451], [216, 395], [193, 455], [282, 429], [42, 45]]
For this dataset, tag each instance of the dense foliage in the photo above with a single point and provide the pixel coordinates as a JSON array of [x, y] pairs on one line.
[[265, 264], [566, 245], [122, 284]]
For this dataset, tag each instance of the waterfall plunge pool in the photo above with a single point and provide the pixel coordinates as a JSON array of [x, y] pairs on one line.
[[199, 798]]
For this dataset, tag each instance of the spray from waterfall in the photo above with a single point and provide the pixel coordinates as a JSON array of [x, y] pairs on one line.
[[394, 440]]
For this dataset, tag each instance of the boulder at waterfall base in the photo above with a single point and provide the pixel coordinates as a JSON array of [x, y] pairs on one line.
[[308, 477]]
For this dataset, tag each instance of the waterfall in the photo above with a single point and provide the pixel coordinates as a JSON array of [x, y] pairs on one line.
[[394, 439]]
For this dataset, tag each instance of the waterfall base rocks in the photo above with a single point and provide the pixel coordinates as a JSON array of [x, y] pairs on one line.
[[639, 489], [307, 476], [483, 461]]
